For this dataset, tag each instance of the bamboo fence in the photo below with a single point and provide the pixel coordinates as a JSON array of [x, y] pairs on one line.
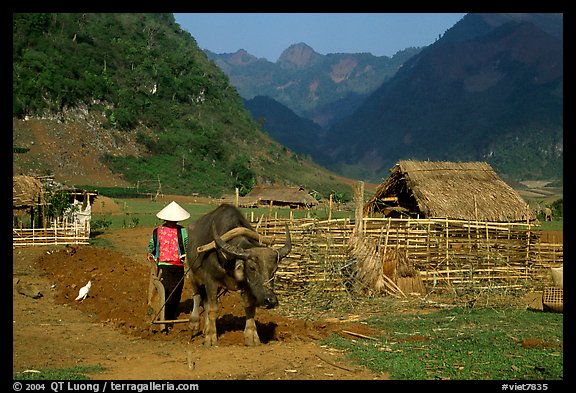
[[447, 254], [59, 233]]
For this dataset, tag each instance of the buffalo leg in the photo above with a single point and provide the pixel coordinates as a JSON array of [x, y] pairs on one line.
[[211, 314], [194, 323], [250, 333]]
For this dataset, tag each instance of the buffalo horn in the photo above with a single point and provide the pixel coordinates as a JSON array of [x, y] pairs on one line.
[[285, 249], [238, 231], [228, 248]]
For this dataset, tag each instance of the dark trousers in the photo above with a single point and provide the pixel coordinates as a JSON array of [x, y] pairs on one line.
[[172, 279]]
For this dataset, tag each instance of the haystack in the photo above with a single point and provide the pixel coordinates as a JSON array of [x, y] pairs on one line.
[[403, 273], [383, 272]]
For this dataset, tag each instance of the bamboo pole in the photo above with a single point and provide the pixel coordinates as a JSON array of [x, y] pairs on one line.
[[330, 209], [447, 247], [487, 245], [407, 236], [428, 243], [359, 203], [387, 234]]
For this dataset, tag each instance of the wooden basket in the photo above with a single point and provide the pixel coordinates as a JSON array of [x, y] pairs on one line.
[[553, 299]]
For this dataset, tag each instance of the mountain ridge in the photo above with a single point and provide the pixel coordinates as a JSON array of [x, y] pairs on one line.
[[489, 89], [322, 88]]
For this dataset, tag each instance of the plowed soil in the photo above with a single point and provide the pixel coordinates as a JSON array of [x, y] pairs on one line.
[[112, 326]]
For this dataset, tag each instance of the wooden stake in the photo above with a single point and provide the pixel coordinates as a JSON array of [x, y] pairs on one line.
[[359, 335], [330, 209]]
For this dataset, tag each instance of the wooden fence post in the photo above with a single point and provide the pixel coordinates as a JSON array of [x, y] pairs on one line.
[[330, 209], [358, 191]]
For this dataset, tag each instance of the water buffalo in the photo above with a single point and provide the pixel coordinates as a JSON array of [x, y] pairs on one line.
[[547, 214], [224, 251]]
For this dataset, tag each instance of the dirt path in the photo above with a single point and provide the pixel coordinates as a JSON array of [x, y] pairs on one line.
[[111, 327]]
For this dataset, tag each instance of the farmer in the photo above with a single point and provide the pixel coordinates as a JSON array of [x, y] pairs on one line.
[[167, 247]]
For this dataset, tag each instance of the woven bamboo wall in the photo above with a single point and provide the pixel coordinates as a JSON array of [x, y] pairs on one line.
[[447, 253]]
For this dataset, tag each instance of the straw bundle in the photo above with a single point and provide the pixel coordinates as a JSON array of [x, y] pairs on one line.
[[558, 276], [407, 277], [372, 268]]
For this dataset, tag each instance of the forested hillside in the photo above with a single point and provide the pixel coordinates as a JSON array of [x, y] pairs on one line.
[[142, 74], [491, 89], [296, 133]]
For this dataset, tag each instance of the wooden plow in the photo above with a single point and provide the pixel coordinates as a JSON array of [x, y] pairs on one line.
[[157, 298], [156, 291]]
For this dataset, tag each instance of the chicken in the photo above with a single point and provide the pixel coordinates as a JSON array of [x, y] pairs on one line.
[[83, 293]]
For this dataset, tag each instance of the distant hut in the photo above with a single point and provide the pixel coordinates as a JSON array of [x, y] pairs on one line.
[[454, 190], [27, 195], [31, 199], [293, 197], [26, 191]]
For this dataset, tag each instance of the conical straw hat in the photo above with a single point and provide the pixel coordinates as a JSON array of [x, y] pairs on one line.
[[173, 212]]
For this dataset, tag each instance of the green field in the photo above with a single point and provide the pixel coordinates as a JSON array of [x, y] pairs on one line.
[[462, 344], [141, 212]]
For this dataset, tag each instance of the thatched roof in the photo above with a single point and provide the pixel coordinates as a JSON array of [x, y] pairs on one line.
[[31, 190], [467, 190], [26, 191], [294, 196]]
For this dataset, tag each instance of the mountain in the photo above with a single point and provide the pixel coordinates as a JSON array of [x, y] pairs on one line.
[[132, 99], [490, 89], [322, 88], [285, 126]]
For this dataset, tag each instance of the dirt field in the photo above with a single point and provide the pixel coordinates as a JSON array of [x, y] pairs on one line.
[[111, 327]]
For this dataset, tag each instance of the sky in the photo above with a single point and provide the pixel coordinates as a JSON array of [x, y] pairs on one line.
[[267, 35]]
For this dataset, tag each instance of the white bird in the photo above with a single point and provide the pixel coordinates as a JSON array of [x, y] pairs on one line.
[[83, 293]]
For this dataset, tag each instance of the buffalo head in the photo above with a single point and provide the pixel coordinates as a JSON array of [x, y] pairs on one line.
[[255, 267]]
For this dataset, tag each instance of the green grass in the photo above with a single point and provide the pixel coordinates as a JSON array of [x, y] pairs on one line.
[[556, 225], [141, 212], [62, 374], [463, 344]]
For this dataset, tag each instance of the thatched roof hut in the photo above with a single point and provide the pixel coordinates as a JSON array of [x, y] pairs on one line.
[[454, 190], [295, 197], [31, 190], [26, 191]]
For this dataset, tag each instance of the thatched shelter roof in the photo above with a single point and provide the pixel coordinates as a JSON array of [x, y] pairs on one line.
[[26, 191], [455, 190], [31, 190], [278, 195]]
